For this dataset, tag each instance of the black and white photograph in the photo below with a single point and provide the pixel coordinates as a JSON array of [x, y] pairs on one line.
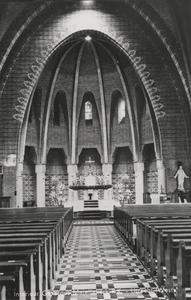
[[95, 149]]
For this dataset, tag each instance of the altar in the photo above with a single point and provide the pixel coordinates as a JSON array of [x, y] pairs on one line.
[[90, 185]]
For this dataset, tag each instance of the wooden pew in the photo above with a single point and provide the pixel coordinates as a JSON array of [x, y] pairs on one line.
[[171, 256], [49, 235], [48, 254], [144, 230], [154, 241], [40, 281], [125, 217], [159, 229], [161, 247], [31, 215], [183, 270], [150, 236], [166, 247], [28, 281]]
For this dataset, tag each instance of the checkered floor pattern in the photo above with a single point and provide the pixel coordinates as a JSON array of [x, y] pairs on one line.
[[98, 264]]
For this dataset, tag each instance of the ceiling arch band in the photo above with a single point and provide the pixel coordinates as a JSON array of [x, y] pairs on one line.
[[75, 97]]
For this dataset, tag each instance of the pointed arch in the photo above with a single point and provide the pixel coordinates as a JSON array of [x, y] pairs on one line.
[[59, 107]]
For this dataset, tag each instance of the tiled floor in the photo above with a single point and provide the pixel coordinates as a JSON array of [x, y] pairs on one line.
[[98, 264]]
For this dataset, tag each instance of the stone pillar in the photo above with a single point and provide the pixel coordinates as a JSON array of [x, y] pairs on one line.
[[161, 177], [139, 181], [107, 173], [72, 171], [40, 185], [19, 185]]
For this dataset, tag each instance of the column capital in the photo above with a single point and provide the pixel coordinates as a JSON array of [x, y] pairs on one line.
[[139, 166], [107, 168], [40, 168], [139, 181], [72, 169], [20, 167], [159, 164]]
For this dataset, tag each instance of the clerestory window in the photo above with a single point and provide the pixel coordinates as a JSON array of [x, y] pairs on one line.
[[88, 113]]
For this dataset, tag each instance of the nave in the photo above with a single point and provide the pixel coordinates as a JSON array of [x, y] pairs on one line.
[[98, 264]]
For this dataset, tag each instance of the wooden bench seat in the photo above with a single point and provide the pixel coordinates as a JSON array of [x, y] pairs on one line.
[[144, 228], [171, 256], [32, 239], [184, 269], [125, 218], [27, 268], [23, 268], [154, 232], [162, 250], [50, 248], [48, 251]]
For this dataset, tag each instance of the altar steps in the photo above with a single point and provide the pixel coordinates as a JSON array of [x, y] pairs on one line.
[[92, 215], [91, 211], [91, 204]]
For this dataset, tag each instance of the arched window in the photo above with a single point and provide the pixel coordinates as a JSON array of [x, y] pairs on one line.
[[121, 110], [88, 113]]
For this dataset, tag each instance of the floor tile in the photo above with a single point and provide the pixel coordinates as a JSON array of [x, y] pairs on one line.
[[98, 264]]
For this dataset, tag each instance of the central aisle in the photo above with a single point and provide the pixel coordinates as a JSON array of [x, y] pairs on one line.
[[98, 264]]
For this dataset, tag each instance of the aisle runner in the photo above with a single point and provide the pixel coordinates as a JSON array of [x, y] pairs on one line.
[[99, 265]]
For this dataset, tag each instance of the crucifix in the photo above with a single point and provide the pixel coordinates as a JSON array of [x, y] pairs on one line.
[[89, 162]]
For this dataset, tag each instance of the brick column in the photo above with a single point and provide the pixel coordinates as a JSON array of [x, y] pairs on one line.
[[139, 181], [107, 173], [19, 185], [40, 185], [72, 171], [161, 177]]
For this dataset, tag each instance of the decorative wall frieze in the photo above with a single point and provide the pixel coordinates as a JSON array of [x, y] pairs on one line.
[[166, 42], [146, 79], [32, 78]]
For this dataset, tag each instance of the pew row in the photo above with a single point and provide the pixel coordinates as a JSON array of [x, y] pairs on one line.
[[32, 242], [155, 234], [125, 218]]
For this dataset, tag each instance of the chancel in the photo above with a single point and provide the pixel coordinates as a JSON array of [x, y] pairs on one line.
[[95, 149]]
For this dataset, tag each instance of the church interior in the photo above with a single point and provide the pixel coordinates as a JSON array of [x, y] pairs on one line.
[[95, 149]]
